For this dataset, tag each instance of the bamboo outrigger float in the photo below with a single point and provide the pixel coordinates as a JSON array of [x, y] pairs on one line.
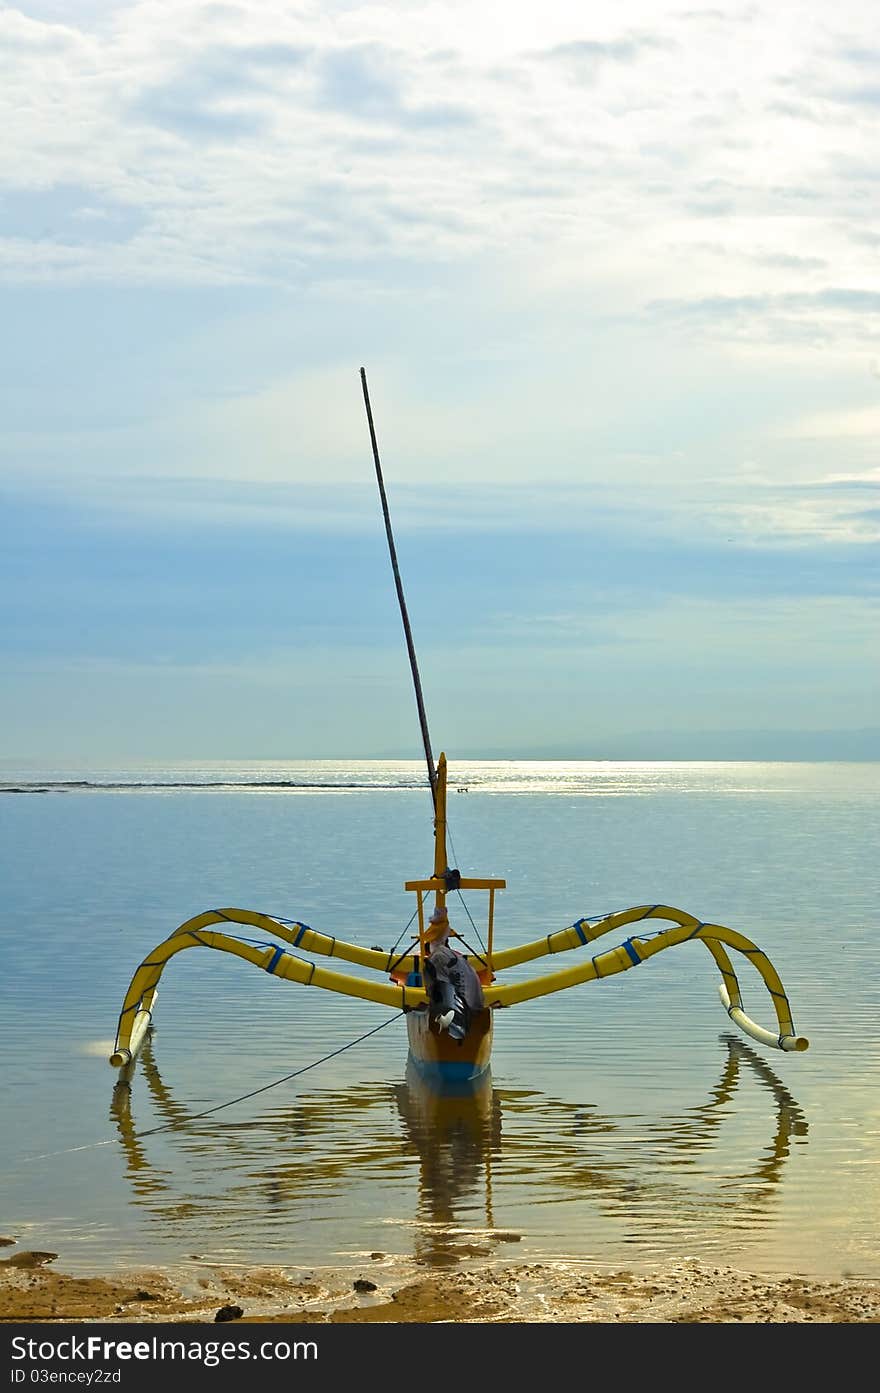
[[450, 1041]]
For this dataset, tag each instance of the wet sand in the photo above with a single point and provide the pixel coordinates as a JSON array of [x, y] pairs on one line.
[[394, 1290]]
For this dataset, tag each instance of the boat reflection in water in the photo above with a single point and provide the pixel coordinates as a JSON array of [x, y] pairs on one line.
[[456, 1139], [441, 1179]]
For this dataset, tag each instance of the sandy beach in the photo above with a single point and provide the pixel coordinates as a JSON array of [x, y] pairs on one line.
[[393, 1290]]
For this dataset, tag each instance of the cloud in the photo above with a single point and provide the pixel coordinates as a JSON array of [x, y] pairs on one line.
[[360, 81], [832, 313], [209, 98], [807, 514], [869, 515], [787, 261], [259, 130], [862, 421], [869, 479], [863, 95], [21, 32], [584, 58], [66, 213], [183, 114]]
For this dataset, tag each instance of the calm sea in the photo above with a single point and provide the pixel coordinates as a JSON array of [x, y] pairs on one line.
[[626, 1121]]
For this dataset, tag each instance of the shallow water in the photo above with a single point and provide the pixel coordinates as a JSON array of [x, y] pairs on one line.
[[625, 1120]]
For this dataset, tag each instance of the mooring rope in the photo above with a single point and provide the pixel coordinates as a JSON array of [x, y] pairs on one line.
[[218, 1107], [395, 945], [464, 901]]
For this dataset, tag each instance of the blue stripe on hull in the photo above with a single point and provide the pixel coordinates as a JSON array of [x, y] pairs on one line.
[[448, 1075]]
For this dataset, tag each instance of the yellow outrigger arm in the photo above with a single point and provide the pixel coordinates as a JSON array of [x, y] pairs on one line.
[[136, 1013], [142, 992], [637, 950]]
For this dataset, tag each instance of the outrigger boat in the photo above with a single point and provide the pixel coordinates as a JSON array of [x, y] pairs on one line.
[[450, 1013]]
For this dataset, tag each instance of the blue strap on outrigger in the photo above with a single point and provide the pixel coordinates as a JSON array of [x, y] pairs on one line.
[[273, 961]]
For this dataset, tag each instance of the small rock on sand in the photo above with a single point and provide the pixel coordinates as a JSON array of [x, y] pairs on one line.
[[229, 1313]]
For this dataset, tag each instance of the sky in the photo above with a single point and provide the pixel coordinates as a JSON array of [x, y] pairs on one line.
[[612, 273]]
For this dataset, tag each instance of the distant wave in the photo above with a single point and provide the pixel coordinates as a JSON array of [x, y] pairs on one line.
[[236, 786], [595, 779]]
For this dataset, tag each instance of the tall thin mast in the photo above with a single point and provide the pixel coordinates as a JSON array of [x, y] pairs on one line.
[[414, 668]]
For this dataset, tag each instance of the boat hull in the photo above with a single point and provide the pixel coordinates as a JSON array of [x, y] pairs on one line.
[[450, 1065]]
